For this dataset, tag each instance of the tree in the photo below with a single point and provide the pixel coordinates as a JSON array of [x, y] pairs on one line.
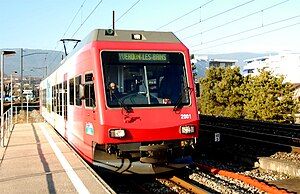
[[220, 94], [225, 92], [268, 98]]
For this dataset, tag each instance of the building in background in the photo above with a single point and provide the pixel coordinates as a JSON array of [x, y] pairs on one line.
[[203, 62], [286, 64], [222, 62]]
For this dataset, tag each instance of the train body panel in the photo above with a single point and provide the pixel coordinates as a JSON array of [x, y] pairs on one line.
[[101, 124]]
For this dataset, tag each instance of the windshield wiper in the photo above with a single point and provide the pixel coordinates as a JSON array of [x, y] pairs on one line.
[[179, 104], [126, 107]]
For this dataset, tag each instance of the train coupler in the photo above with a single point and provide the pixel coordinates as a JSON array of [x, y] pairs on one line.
[[154, 154]]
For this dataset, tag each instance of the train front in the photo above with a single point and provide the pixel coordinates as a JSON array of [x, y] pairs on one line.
[[148, 120]]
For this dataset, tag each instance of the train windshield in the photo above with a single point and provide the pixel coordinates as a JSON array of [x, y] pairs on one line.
[[139, 79]]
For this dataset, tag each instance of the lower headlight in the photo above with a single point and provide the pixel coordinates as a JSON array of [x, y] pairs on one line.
[[188, 129], [117, 133]]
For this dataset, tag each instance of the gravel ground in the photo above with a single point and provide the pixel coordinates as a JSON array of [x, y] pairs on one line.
[[257, 173], [266, 175], [292, 157], [223, 184], [33, 117]]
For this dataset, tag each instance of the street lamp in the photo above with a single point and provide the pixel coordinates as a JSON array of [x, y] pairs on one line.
[[22, 56], [3, 53]]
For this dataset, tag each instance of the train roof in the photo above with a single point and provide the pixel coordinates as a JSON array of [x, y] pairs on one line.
[[125, 36], [130, 35]]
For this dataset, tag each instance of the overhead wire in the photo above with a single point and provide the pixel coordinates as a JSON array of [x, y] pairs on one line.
[[235, 20], [81, 23], [213, 16], [248, 30], [81, 6], [201, 6], [87, 18], [252, 36], [54, 58]]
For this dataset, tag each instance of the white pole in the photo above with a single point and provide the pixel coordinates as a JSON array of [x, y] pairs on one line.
[[21, 86], [16, 119], [27, 107], [1, 69], [11, 102]]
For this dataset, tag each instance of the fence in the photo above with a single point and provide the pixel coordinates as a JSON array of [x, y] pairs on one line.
[[14, 115], [6, 125]]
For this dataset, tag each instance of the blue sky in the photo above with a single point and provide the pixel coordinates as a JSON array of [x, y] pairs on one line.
[[40, 24]]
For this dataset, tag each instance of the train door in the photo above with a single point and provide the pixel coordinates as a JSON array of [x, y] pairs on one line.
[[65, 106], [90, 105]]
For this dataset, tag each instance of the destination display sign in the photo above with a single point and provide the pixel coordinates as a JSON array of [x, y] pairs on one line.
[[143, 57]]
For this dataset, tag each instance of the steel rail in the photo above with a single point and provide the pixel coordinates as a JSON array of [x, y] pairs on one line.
[[187, 185], [247, 122], [262, 137], [282, 134], [293, 148], [246, 179]]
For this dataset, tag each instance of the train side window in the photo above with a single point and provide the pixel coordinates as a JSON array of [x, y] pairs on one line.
[[65, 99], [59, 104], [71, 93], [77, 85], [89, 92], [56, 99], [43, 96], [53, 98]]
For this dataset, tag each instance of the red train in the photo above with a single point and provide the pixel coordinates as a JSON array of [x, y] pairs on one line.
[[125, 101]]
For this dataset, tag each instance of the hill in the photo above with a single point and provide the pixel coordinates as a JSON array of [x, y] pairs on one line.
[[32, 58], [53, 58]]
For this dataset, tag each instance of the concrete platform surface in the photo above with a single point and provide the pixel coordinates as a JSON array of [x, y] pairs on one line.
[[283, 166], [31, 163], [291, 185]]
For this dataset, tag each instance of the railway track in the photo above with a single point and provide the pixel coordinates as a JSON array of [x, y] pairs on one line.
[[242, 181], [195, 179], [199, 178], [206, 179], [286, 135], [180, 185]]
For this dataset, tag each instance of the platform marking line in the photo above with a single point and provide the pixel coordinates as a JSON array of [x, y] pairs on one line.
[[78, 184]]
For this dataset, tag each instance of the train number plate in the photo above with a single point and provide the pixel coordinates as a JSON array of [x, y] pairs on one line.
[[185, 116]]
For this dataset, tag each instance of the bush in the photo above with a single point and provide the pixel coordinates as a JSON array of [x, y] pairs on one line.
[[268, 98], [225, 92], [220, 94]]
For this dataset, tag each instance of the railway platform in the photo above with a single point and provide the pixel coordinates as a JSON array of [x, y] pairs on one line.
[[37, 160]]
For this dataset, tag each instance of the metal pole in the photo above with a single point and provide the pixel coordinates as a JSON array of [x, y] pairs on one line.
[[2, 129], [113, 22], [21, 85], [27, 107], [16, 119], [6, 121], [11, 101]]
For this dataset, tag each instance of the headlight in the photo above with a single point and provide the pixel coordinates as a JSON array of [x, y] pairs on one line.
[[117, 133], [187, 129]]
